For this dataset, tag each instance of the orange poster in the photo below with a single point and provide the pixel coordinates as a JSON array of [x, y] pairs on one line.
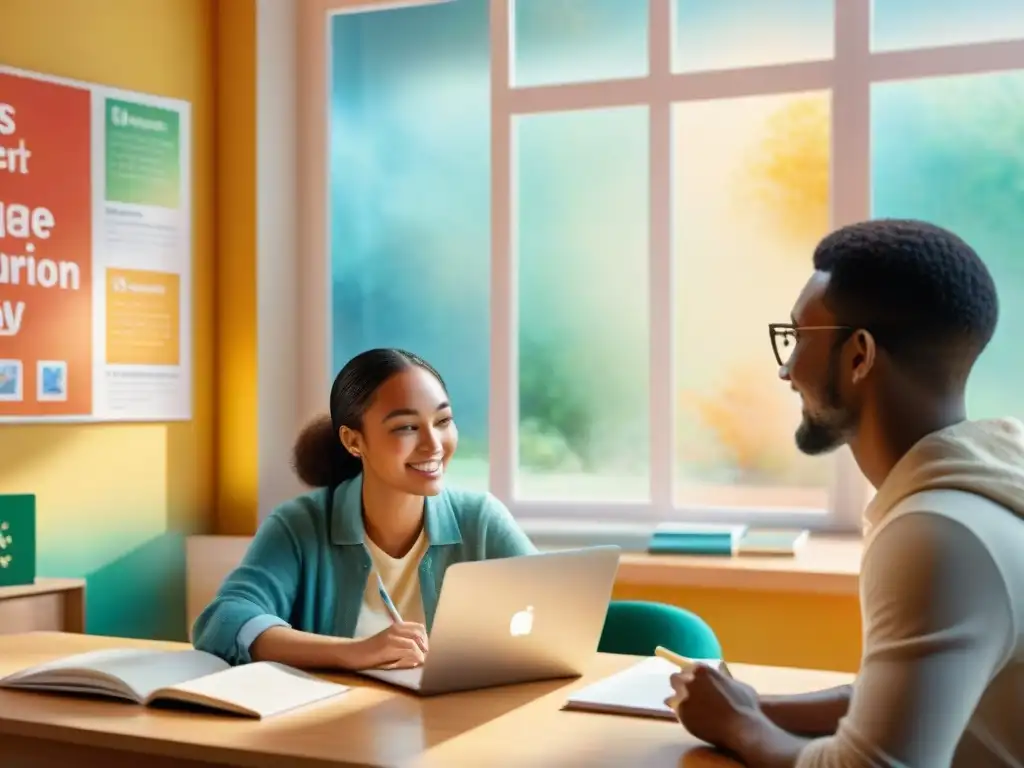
[[45, 249]]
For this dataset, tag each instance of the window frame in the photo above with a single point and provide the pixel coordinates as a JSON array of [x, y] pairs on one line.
[[848, 78]]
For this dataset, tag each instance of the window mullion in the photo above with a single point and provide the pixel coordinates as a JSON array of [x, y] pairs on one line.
[[504, 384], [661, 414], [850, 192]]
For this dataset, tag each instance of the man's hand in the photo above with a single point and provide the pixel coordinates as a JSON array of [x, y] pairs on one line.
[[713, 707], [727, 714]]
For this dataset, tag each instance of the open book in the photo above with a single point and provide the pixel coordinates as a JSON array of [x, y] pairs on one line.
[[639, 690], [258, 690]]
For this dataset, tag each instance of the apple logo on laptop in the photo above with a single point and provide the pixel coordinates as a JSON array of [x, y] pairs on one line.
[[522, 622]]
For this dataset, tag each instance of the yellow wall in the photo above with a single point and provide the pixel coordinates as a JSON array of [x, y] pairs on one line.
[[114, 500], [775, 628]]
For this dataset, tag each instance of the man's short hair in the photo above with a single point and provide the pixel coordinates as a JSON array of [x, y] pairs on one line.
[[920, 290]]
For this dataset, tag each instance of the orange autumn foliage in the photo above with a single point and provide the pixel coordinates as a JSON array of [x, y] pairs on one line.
[[787, 171], [748, 419]]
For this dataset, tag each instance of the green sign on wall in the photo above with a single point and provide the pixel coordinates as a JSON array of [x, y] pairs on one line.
[[17, 540], [143, 146]]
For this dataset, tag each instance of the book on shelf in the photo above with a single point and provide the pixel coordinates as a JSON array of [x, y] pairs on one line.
[[725, 540], [695, 539], [193, 678], [774, 541]]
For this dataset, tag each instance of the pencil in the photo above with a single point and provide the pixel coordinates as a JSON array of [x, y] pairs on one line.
[[680, 661], [385, 598], [685, 663]]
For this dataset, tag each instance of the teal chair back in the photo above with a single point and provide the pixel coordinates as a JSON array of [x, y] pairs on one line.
[[636, 628]]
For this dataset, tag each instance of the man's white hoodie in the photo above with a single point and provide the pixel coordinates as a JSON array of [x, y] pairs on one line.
[[941, 681]]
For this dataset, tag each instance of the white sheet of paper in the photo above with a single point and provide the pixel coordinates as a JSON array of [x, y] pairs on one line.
[[638, 690]]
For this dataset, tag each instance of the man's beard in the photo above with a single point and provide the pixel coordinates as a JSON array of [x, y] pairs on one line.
[[822, 433], [829, 429]]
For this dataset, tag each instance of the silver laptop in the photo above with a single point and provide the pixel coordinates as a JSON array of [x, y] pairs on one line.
[[514, 620]]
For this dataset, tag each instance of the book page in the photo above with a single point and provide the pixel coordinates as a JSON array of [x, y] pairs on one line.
[[260, 689], [117, 671], [638, 690]]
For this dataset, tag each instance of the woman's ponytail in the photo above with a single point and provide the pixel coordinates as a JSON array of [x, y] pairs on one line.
[[319, 458]]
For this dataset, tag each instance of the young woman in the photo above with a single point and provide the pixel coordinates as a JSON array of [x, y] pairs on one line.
[[306, 592]]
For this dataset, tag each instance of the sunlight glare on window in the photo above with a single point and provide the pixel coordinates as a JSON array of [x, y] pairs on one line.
[[728, 34], [751, 200]]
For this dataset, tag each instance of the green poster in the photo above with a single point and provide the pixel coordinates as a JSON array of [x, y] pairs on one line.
[[17, 540], [143, 162]]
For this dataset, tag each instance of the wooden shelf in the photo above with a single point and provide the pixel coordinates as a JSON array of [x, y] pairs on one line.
[[56, 605], [827, 565]]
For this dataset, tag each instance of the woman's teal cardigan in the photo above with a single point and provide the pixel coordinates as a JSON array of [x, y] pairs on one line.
[[307, 566]]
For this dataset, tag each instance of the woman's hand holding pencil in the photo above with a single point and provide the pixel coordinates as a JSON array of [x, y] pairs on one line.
[[400, 646]]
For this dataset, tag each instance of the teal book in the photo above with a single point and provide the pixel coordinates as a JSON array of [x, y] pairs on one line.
[[695, 539], [17, 540]]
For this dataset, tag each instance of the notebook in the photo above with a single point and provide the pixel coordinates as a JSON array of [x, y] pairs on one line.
[[257, 690], [640, 690]]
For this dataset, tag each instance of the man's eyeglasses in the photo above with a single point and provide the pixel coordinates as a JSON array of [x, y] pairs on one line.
[[784, 337]]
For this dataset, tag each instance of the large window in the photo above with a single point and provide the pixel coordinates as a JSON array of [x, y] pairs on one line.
[[585, 213]]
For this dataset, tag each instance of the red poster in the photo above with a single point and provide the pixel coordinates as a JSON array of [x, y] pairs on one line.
[[45, 249]]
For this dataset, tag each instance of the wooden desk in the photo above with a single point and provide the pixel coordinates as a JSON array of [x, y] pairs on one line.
[[56, 605], [371, 725]]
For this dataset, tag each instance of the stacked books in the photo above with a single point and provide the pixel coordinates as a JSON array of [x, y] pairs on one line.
[[726, 540]]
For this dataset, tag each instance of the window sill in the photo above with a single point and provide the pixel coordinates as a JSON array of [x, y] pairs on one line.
[[828, 564]]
